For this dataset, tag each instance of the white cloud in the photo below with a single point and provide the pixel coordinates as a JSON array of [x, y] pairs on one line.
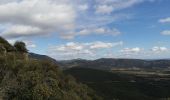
[[157, 49], [95, 50], [100, 45], [104, 9], [141, 53], [92, 30], [131, 50], [70, 46], [108, 6], [61, 17], [30, 44], [21, 31], [80, 46], [165, 20], [33, 16], [73, 50], [100, 30], [165, 32]]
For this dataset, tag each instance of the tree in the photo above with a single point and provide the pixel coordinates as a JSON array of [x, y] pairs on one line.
[[20, 47]]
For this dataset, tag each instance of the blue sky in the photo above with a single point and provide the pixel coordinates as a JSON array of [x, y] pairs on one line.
[[89, 29]]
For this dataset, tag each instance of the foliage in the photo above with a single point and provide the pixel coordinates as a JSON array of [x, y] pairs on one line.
[[20, 46], [120, 86], [6, 45], [38, 80]]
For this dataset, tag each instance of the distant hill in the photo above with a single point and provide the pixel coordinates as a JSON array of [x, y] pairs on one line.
[[42, 57], [106, 63], [109, 63]]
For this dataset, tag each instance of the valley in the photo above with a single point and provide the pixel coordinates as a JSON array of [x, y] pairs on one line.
[[121, 79], [84, 49], [125, 85]]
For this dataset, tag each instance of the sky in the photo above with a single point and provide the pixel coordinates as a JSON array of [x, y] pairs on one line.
[[89, 29]]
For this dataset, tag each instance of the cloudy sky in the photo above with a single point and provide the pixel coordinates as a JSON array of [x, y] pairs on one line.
[[89, 29]]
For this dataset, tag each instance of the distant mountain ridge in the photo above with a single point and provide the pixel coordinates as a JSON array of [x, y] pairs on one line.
[[106, 63], [109, 63], [42, 57]]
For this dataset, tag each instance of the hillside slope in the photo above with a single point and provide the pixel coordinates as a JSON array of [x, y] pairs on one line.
[[42, 57], [23, 78]]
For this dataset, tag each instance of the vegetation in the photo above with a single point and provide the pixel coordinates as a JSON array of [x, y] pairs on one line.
[[5, 45], [20, 46], [33, 79], [123, 86]]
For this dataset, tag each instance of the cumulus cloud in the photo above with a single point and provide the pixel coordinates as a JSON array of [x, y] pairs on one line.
[[29, 17], [90, 31], [69, 46], [131, 50], [104, 9], [80, 46], [64, 18], [157, 49], [140, 53], [94, 50], [165, 20], [21, 31], [100, 45], [100, 30], [73, 50], [108, 6]]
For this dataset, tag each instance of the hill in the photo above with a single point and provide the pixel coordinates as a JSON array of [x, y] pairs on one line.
[[123, 86], [107, 63], [42, 57], [111, 63], [24, 78], [5, 45]]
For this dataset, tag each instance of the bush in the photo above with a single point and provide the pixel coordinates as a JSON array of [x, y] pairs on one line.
[[40, 80]]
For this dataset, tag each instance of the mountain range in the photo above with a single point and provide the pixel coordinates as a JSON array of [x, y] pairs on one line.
[[108, 63]]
